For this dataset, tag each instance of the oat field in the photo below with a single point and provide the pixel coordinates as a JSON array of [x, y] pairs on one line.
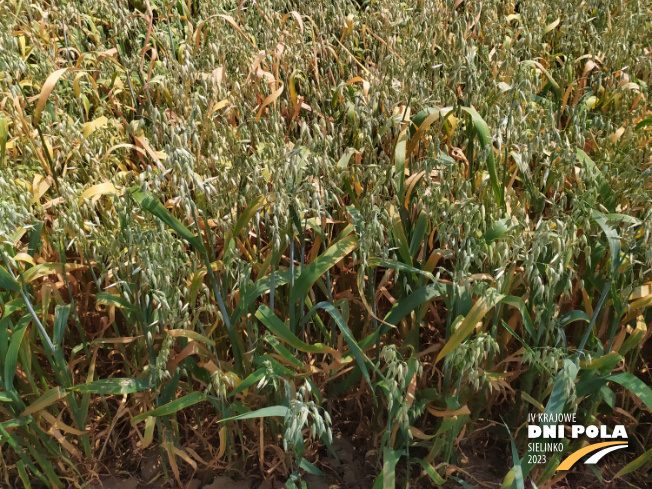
[[338, 243]]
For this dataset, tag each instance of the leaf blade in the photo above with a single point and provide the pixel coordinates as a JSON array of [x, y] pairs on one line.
[[484, 137], [46, 90], [335, 253], [112, 386], [152, 205]]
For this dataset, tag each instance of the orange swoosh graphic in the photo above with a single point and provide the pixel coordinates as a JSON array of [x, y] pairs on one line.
[[574, 457]]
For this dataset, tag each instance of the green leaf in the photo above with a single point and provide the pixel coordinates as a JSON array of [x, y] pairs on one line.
[[262, 286], [445, 159], [344, 160], [335, 253], [22, 473], [526, 346], [4, 136], [409, 303], [418, 233], [430, 470], [16, 422], [559, 395], [556, 89], [60, 321], [399, 166], [35, 237], [420, 117], [260, 413], [594, 173], [606, 363], [644, 123], [461, 482], [400, 239], [398, 265], [404, 307], [518, 470], [310, 468], [287, 355], [112, 386], [114, 300], [12, 306], [518, 303], [378, 484], [11, 360], [484, 137], [573, 316], [276, 326], [635, 385], [7, 282], [612, 238], [171, 407], [152, 205], [498, 229], [189, 334], [357, 352], [390, 459], [635, 464], [248, 214], [618, 217], [252, 379]]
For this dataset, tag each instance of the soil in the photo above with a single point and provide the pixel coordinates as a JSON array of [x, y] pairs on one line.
[[483, 465]]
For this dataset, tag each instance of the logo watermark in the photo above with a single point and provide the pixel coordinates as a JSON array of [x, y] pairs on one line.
[[550, 430]]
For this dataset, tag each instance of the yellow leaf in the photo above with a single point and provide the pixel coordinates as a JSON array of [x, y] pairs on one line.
[[149, 431], [358, 79], [25, 257], [235, 25], [221, 104], [527, 397], [72, 450], [142, 140], [449, 413], [228, 18], [271, 98], [293, 89], [222, 448], [90, 127], [45, 269], [417, 433], [296, 16], [48, 86], [60, 425], [94, 192], [617, 135], [40, 185], [642, 291], [185, 457], [47, 399], [551, 26], [467, 325], [75, 84], [169, 449]]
